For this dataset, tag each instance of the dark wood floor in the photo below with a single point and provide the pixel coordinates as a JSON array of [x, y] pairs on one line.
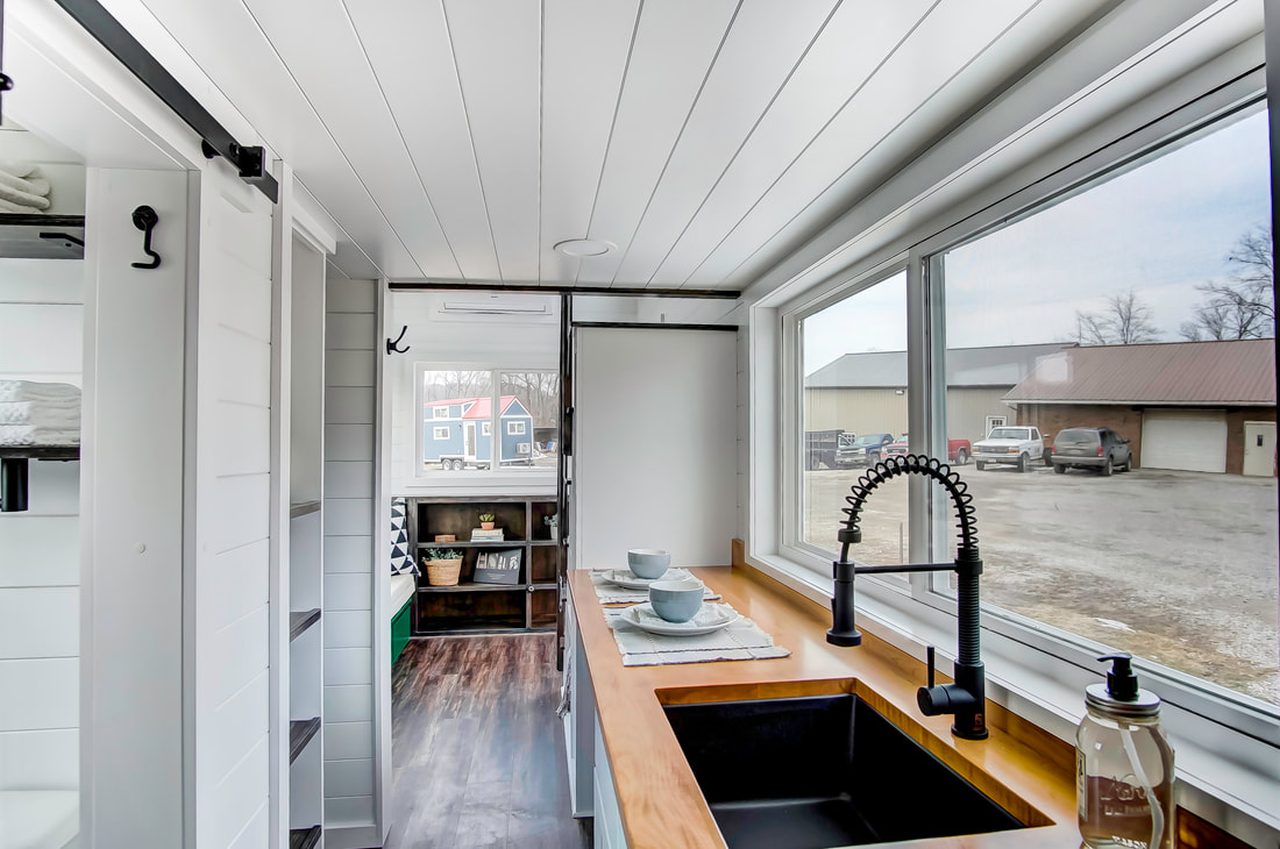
[[478, 750]]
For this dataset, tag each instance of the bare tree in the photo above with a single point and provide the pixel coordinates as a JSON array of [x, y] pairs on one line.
[[1125, 320], [1244, 306]]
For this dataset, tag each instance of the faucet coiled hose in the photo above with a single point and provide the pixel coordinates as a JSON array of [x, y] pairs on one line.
[[913, 464], [966, 526]]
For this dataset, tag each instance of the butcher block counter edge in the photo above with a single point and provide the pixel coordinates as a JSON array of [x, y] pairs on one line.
[[1023, 768]]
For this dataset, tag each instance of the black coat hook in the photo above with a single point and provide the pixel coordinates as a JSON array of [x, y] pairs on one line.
[[145, 219], [393, 347]]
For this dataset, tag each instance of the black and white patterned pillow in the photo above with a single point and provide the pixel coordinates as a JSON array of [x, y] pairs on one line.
[[402, 559]]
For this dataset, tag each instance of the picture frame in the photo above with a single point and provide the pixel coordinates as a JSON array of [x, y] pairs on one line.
[[499, 567]]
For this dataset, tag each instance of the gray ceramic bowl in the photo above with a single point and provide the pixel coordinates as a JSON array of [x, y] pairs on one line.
[[676, 601], [648, 562]]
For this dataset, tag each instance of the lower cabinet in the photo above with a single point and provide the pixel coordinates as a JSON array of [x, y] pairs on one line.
[[608, 819], [591, 788]]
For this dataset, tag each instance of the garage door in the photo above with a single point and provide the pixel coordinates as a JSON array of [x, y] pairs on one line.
[[1191, 441]]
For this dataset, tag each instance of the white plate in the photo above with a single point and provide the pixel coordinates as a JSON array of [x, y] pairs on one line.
[[627, 579], [712, 617]]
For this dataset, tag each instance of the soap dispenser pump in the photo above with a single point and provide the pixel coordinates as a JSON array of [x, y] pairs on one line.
[[1124, 766]]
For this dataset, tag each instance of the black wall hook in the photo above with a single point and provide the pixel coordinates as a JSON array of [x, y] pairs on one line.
[[146, 219], [393, 347]]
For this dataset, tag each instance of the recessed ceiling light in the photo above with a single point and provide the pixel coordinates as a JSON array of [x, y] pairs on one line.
[[583, 247]]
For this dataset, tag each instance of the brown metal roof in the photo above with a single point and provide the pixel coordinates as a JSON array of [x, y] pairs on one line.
[[1239, 373]]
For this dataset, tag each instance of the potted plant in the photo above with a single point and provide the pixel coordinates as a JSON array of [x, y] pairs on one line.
[[444, 565], [486, 521], [553, 525]]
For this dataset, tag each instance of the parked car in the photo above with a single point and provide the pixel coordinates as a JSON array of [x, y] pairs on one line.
[[820, 447], [863, 451], [1098, 448], [958, 450], [1009, 446]]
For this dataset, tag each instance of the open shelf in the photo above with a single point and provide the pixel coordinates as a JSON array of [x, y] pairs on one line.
[[40, 236], [506, 543], [305, 838], [300, 733], [301, 620], [303, 508], [40, 452], [471, 587]]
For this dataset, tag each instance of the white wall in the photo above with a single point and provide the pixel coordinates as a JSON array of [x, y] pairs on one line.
[[41, 332], [469, 341], [656, 445], [352, 573]]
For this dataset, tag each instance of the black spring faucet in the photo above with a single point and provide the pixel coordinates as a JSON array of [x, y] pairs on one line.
[[966, 698]]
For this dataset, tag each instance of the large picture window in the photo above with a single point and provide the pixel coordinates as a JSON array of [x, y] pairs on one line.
[[854, 412], [1124, 337], [462, 409]]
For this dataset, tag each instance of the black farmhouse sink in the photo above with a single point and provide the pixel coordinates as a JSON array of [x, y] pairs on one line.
[[823, 771]]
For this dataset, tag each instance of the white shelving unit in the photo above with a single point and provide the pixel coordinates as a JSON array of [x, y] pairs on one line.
[[306, 548]]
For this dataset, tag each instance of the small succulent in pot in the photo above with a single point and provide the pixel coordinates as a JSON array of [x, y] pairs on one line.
[[553, 525], [444, 554], [486, 521]]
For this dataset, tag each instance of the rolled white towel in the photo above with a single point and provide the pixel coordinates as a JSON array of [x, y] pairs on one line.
[[17, 168], [55, 414], [33, 390], [28, 435], [21, 198], [32, 183]]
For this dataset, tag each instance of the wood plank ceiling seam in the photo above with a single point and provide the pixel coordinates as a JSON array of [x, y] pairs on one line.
[[903, 40], [679, 135], [377, 81], [778, 91], [613, 123], [471, 138], [329, 132], [884, 137]]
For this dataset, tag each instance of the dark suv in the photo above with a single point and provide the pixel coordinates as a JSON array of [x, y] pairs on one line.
[[1098, 448]]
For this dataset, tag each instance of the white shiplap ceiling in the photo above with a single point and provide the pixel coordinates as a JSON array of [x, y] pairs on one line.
[[461, 139]]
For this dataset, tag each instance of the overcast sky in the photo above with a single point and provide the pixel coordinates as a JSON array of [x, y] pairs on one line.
[[1160, 229]]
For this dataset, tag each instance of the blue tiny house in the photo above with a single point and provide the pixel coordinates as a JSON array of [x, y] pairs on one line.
[[457, 433]]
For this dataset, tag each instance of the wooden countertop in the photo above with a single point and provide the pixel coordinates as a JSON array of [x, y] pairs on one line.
[[1023, 768]]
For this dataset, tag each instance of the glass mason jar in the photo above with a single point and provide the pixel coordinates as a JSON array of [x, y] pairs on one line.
[[1124, 774]]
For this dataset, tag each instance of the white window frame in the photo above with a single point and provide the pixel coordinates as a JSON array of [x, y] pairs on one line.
[[435, 432], [436, 414], [515, 429], [497, 478], [1228, 743]]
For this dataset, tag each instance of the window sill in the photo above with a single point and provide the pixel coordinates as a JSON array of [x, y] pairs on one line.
[[477, 483], [1238, 794]]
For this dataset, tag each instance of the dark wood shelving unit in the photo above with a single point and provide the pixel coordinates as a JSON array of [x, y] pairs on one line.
[[301, 620], [305, 838], [482, 608], [300, 733]]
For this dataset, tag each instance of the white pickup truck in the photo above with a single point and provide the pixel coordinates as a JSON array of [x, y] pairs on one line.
[[1012, 446]]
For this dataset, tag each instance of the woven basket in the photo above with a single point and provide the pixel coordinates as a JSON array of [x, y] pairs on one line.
[[444, 573]]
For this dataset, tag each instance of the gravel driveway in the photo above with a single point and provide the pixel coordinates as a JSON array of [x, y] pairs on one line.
[[1179, 567]]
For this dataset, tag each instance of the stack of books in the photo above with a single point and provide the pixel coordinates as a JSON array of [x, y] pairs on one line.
[[481, 535]]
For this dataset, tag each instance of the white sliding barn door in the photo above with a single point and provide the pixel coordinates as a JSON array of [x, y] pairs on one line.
[[228, 515], [655, 445]]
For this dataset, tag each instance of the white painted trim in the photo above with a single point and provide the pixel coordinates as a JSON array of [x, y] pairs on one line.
[[281, 431], [381, 614], [435, 432], [515, 429]]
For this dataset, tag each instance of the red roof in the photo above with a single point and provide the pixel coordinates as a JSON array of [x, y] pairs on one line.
[[1237, 372], [479, 409]]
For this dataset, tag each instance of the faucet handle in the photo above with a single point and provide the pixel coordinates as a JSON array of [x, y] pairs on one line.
[[928, 654]]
